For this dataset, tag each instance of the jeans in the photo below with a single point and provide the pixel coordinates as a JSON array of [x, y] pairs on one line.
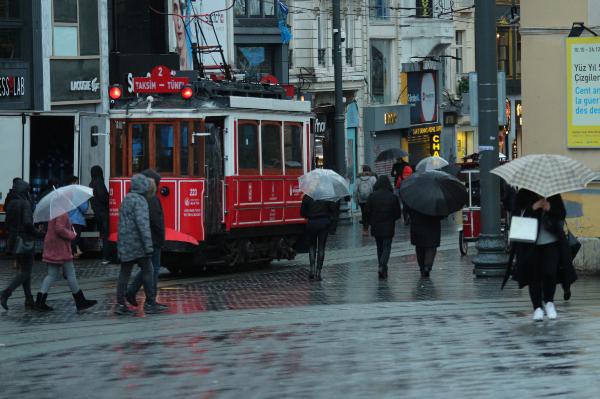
[[146, 265], [137, 282], [317, 238], [102, 225], [23, 277], [363, 216], [425, 257], [384, 247], [543, 274], [68, 270]]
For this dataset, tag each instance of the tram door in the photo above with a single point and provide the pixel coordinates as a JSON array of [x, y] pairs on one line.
[[214, 170]]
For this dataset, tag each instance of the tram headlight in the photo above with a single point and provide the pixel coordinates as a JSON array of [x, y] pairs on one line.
[[115, 92], [187, 92]]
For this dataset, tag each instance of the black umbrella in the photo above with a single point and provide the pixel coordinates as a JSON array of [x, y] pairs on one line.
[[434, 193], [391, 154]]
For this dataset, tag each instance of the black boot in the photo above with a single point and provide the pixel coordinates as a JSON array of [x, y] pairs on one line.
[[383, 273], [40, 303], [4, 298], [29, 302], [81, 302]]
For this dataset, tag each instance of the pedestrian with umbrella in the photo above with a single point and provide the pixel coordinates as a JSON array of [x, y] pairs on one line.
[[431, 163], [323, 189], [400, 172], [546, 260], [383, 209], [430, 197], [54, 208], [365, 183]]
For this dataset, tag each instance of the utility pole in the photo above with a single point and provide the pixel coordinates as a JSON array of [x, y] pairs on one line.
[[491, 258], [339, 133]]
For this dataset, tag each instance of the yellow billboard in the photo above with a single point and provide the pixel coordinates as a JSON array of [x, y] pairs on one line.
[[583, 92]]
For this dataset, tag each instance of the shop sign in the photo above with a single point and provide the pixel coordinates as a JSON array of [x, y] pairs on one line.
[[583, 92], [433, 129], [75, 80], [390, 118], [425, 141], [161, 80], [422, 97], [12, 86], [424, 9], [435, 145]]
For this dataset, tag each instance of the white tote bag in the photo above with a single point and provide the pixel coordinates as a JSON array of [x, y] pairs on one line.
[[523, 229]]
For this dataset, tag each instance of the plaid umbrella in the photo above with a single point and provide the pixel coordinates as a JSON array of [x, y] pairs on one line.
[[546, 174]]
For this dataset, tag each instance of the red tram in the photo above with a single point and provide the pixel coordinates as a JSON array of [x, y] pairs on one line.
[[229, 156]]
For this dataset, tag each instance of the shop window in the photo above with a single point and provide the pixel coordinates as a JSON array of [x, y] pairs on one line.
[[184, 148], [10, 43], [271, 148], [140, 152], [248, 148], [164, 137], [292, 147]]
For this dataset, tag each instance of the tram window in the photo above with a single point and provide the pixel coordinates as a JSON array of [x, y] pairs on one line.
[[293, 149], [164, 144], [271, 148], [118, 146], [248, 148], [184, 149], [140, 154]]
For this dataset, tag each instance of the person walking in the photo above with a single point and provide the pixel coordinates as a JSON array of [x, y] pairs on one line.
[[99, 204], [425, 235], [157, 229], [383, 209], [548, 261], [77, 219], [400, 172], [364, 187], [322, 218], [134, 244], [21, 234], [58, 255]]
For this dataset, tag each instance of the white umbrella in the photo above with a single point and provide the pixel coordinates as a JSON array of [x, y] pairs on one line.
[[324, 184], [431, 163], [60, 201], [546, 174]]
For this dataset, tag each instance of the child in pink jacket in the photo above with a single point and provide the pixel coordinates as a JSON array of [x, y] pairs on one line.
[[58, 254]]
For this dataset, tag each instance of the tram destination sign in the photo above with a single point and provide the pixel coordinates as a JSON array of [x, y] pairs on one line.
[[161, 80]]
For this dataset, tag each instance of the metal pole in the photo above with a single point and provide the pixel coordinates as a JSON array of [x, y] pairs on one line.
[[339, 134], [492, 258]]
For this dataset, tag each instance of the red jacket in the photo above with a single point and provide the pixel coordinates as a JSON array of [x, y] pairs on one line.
[[57, 244]]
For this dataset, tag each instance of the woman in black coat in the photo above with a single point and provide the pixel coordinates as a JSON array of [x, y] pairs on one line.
[[383, 209], [425, 235], [548, 261], [322, 219]]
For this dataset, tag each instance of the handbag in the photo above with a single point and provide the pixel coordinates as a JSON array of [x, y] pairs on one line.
[[523, 229], [23, 247], [574, 243]]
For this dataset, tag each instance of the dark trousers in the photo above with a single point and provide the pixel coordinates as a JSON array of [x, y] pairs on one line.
[[384, 248], [23, 277], [543, 274], [126, 267], [317, 238], [138, 280], [102, 226], [76, 243], [426, 257], [363, 216]]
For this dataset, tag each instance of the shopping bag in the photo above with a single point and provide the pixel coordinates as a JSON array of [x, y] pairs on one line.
[[523, 229]]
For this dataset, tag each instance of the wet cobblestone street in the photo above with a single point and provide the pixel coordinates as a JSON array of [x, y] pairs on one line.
[[270, 333]]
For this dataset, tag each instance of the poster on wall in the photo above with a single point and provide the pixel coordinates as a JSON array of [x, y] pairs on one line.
[[422, 97], [583, 92], [205, 23]]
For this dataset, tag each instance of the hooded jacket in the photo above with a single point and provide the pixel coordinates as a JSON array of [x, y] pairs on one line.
[[383, 209], [157, 218], [100, 199], [57, 243], [19, 217], [134, 237]]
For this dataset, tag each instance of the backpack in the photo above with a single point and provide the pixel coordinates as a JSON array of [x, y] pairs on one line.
[[365, 188]]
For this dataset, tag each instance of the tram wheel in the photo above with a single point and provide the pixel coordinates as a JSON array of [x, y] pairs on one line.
[[463, 245]]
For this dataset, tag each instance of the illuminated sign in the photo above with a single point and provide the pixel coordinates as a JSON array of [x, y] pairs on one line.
[[389, 118], [161, 80], [435, 144], [433, 129]]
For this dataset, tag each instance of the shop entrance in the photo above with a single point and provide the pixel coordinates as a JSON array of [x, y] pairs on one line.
[[52, 154]]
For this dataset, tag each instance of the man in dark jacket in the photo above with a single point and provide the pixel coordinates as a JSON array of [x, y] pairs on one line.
[[99, 204], [134, 244], [157, 229], [383, 209], [11, 193], [19, 222]]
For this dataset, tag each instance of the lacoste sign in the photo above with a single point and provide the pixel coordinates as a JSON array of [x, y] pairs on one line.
[[85, 85]]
